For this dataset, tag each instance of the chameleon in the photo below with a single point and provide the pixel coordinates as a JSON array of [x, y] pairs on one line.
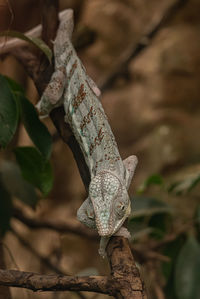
[[107, 205]]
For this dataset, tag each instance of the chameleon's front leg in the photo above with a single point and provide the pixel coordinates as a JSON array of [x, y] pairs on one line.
[[85, 214], [52, 96]]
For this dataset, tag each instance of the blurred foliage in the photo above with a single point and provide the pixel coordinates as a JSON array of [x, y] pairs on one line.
[[16, 185], [154, 179], [186, 185], [33, 169], [187, 274], [164, 229], [9, 113], [5, 209], [153, 222], [36, 130]]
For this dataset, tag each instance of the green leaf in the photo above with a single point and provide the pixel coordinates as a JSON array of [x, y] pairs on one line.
[[138, 225], [5, 209], [15, 184], [147, 215], [187, 274], [160, 222], [186, 185], [14, 86], [33, 40], [35, 169], [8, 113], [174, 187], [143, 206], [172, 250], [194, 183], [154, 179], [37, 131]]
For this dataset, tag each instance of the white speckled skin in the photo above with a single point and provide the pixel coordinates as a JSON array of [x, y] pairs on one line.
[[108, 204]]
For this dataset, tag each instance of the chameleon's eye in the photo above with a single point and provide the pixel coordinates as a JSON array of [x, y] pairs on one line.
[[120, 209], [90, 214]]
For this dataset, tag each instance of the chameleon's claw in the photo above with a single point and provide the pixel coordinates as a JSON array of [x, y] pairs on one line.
[[102, 253], [122, 232]]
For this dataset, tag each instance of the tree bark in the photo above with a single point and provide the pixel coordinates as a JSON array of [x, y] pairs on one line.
[[4, 290]]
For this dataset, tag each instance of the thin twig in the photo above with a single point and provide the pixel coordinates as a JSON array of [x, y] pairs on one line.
[[45, 261], [74, 227], [143, 44], [11, 13], [12, 43], [10, 254]]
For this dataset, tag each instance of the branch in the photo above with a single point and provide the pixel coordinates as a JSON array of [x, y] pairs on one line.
[[144, 42], [37, 282], [124, 282], [124, 274], [11, 43], [78, 229], [44, 260], [74, 227], [41, 72], [123, 269], [81, 40]]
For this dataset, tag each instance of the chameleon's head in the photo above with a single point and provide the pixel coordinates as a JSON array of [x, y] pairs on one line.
[[110, 201]]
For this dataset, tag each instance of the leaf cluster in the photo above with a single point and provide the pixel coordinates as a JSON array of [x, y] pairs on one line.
[[31, 172]]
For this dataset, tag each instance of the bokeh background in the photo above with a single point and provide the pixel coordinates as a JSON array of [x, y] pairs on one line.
[[153, 105]]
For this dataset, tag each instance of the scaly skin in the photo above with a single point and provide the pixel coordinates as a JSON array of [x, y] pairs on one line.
[[108, 204]]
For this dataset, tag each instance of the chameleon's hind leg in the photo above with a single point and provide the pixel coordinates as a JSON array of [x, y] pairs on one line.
[[130, 164]]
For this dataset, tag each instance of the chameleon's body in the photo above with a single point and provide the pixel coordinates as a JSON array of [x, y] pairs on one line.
[[108, 204]]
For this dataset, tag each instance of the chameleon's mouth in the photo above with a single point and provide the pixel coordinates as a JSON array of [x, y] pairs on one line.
[[104, 222], [104, 226], [104, 234], [104, 229], [108, 231]]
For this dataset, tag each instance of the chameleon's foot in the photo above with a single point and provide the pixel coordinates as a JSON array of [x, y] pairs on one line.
[[123, 232], [102, 252]]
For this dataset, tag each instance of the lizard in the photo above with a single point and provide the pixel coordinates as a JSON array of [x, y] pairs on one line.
[[108, 203]]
